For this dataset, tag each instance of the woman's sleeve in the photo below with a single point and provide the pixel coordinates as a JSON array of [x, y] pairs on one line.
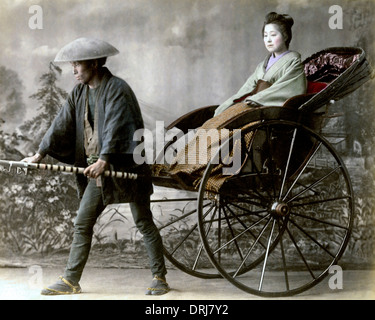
[[249, 85]]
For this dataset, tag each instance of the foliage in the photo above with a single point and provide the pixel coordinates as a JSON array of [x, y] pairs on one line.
[[49, 97], [36, 211], [11, 104], [362, 241]]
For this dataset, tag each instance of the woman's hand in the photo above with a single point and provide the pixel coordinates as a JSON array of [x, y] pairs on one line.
[[252, 103], [96, 169]]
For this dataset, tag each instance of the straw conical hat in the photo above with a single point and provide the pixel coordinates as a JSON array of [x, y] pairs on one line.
[[85, 49]]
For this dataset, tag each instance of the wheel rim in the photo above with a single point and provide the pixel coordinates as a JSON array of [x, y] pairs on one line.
[[297, 218]]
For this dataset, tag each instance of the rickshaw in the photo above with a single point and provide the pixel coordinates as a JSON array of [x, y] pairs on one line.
[[275, 227], [277, 224]]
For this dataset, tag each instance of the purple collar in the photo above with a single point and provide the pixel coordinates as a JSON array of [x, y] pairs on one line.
[[273, 59]]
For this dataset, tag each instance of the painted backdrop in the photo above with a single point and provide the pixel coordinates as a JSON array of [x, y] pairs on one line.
[[177, 55]]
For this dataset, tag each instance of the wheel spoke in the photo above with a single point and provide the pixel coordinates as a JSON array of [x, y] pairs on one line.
[[266, 256], [319, 201], [287, 163], [236, 216], [320, 221], [197, 257], [249, 213], [285, 268], [302, 171], [219, 234], [201, 245], [212, 219], [182, 217], [314, 184], [247, 199], [232, 233], [252, 247], [193, 228], [241, 234], [184, 239], [310, 237], [300, 253]]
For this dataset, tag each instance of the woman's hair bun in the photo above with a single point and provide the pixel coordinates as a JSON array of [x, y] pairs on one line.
[[285, 18], [288, 19]]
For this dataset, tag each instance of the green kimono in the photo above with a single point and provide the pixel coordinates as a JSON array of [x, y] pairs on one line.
[[286, 75], [287, 79]]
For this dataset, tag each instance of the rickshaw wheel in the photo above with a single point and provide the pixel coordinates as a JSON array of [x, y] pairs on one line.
[[284, 219], [176, 212]]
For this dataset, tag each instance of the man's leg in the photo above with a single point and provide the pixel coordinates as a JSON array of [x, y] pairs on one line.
[[144, 221], [91, 206]]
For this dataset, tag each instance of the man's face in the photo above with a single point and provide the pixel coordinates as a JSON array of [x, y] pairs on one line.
[[83, 71]]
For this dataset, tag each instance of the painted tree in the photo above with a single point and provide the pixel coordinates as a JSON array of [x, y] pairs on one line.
[[11, 112], [50, 97], [37, 210], [11, 102]]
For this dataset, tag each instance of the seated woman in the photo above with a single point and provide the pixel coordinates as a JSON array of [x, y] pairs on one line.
[[282, 69], [276, 79]]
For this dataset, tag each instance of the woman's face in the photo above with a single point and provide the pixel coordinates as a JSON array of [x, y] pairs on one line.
[[273, 39]]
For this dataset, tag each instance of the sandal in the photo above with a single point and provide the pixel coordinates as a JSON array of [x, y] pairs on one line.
[[158, 287], [62, 286]]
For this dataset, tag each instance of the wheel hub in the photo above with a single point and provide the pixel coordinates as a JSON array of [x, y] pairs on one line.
[[280, 209]]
